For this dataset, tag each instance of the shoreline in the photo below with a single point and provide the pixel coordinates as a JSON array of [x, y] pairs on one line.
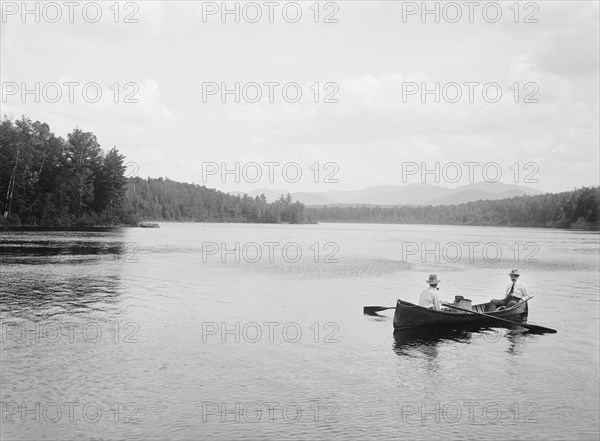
[[591, 228], [73, 229], [104, 228]]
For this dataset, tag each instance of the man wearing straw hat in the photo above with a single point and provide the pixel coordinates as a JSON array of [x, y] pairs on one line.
[[429, 297], [515, 292]]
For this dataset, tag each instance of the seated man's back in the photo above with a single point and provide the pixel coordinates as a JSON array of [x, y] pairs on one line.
[[429, 297]]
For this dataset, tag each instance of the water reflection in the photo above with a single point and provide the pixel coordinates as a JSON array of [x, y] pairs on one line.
[[161, 292], [57, 295], [428, 340], [47, 275], [517, 337], [75, 247]]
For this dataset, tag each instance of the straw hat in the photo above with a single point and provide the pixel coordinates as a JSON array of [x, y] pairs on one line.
[[433, 280]]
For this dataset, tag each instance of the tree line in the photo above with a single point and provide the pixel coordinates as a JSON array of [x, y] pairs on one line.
[[571, 209], [47, 180], [164, 199]]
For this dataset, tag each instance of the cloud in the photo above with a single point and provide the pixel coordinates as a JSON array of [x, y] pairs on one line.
[[370, 54], [110, 111], [566, 44], [381, 107], [150, 102]]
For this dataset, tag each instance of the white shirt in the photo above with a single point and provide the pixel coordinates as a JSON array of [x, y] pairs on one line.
[[429, 299], [520, 290]]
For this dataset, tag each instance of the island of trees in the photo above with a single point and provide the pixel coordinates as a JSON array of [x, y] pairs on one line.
[[50, 181]]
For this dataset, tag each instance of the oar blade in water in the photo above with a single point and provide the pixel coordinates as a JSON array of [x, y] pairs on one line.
[[374, 309]]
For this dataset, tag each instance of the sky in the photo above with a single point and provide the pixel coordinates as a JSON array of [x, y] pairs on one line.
[[330, 95]]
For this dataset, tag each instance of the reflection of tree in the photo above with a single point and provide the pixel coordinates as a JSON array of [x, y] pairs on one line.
[[63, 284]]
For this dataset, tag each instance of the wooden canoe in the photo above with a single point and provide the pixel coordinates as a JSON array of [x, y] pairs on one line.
[[409, 315], [149, 225]]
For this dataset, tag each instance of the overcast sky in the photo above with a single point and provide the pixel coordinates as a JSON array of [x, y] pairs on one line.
[[373, 57]]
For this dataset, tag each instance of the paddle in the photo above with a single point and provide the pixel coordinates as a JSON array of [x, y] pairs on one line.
[[525, 325], [372, 309]]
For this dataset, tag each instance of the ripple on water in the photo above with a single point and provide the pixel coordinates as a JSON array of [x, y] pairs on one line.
[[368, 374]]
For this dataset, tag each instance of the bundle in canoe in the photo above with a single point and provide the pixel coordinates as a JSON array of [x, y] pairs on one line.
[[409, 315]]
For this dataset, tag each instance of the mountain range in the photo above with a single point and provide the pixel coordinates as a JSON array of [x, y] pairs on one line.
[[412, 194]]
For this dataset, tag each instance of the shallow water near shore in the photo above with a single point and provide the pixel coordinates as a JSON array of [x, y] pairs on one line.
[[238, 331]]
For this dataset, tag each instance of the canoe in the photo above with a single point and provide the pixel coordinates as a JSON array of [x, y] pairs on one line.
[[409, 315], [149, 225]]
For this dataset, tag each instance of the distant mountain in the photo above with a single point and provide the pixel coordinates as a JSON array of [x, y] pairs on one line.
[[498, 187], [313, 199], [413, 194]]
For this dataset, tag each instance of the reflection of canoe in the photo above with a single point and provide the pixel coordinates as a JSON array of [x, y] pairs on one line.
[[409, 315], [431, 336]]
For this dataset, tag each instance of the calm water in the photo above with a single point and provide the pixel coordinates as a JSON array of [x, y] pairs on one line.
[[157, 334]]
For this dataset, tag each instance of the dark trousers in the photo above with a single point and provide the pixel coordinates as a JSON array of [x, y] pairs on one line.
[[507, 301]]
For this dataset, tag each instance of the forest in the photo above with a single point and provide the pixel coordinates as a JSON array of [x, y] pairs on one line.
[[163, 199], [50, 181], [577, 209]]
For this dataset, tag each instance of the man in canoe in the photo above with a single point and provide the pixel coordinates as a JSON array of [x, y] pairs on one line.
[[429, 297], [515, 292]]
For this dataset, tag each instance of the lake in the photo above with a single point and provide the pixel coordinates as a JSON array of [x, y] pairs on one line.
[[236, 331]]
